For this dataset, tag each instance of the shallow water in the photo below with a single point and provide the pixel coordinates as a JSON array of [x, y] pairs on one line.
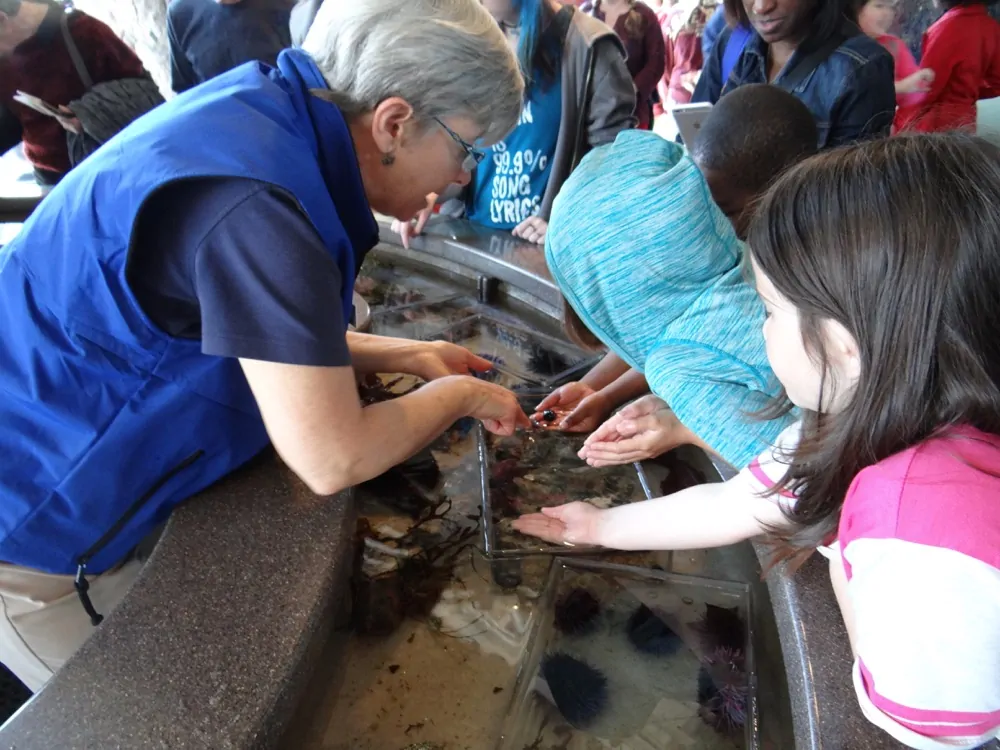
[[441, 632]]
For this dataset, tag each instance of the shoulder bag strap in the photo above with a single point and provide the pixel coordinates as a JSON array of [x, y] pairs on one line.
[[74, 53]]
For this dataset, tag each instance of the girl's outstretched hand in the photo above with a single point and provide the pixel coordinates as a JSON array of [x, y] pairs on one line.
[[578, 408], [571, 524], [643, 429]]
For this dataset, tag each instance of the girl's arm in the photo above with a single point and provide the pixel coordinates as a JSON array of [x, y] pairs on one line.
[[709, 515], [605, 372], [629, 386]]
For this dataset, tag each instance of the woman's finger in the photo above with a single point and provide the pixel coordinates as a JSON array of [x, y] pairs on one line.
[[477, 363]]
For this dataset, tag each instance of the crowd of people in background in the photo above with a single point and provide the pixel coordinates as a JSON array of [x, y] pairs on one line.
[[675, 52], [875, 376]]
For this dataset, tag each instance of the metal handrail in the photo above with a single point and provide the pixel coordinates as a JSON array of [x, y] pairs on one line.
[[14, 210]]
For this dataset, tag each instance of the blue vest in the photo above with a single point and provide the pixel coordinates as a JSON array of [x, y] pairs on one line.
[[106, 422]]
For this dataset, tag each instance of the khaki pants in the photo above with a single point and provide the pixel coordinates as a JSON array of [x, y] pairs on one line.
[[42, 622]]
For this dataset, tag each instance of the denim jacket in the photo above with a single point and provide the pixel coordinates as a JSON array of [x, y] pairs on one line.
[[852, 94]]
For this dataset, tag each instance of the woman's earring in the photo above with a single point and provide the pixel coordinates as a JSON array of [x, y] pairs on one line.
[[388, 159]]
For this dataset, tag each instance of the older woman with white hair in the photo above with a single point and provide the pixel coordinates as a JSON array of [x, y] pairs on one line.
[[183, 298]]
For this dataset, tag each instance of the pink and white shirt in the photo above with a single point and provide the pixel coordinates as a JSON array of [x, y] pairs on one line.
[[919, 538]]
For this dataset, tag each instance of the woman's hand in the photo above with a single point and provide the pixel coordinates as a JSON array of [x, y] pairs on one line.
[[414, 227], [643, 429], [494, 406], [578, 407], [570, 524], [439, 359], [532, 229]]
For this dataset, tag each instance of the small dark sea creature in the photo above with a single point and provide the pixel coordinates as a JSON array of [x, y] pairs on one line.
[[680, 474], [651, 635], [547, 362], [372, 389], [507, 574], [723, 691], [422, 468], [576, 612], [721, 627], [579, 690], [491, 373]]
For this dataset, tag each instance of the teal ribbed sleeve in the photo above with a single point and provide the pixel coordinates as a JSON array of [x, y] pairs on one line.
[[652, 266]]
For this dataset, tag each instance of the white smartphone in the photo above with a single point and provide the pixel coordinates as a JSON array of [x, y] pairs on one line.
[[689, 118], [37, 104]]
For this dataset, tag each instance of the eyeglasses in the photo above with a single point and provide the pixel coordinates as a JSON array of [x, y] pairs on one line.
[[473, 155]]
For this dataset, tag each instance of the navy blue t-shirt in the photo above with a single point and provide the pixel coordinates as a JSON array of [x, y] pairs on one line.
[[208, 38], [237, 264]]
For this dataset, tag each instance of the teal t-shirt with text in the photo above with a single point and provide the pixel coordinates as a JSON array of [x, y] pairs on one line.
[[509, 184]]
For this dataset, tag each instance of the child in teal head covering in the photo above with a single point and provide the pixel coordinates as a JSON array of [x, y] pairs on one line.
[[644, 244]]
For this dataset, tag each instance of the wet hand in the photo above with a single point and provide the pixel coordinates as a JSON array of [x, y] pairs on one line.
[[578, 408], [496, 407], [415, 226], [439, 359], [571, 524], [643, 429], [532, 229]]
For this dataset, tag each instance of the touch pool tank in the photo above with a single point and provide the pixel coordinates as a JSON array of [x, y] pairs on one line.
[[468, 635]]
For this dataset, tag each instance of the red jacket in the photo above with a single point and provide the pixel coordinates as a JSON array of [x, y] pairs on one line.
[[963, 49], [686, 57], [42, 66]]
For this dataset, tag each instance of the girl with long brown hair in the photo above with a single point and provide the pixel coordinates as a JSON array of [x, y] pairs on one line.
[[883, 314]]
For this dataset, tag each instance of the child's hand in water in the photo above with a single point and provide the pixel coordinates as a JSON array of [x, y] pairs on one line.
[[578, 408], [570, 524], [643, 429]]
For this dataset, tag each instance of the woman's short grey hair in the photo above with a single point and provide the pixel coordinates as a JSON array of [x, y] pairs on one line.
[[447, 58]]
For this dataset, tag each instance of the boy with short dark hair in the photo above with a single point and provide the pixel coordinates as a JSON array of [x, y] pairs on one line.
[[653, 269]]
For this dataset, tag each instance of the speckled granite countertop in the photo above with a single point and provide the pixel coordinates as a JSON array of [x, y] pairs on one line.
[[215, 643]]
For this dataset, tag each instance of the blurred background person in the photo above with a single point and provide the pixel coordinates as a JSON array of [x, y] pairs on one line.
[[638, 27], [684, 62], [816, 51], [35, 58], [209, 37], [876, 17], [962, 50]]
